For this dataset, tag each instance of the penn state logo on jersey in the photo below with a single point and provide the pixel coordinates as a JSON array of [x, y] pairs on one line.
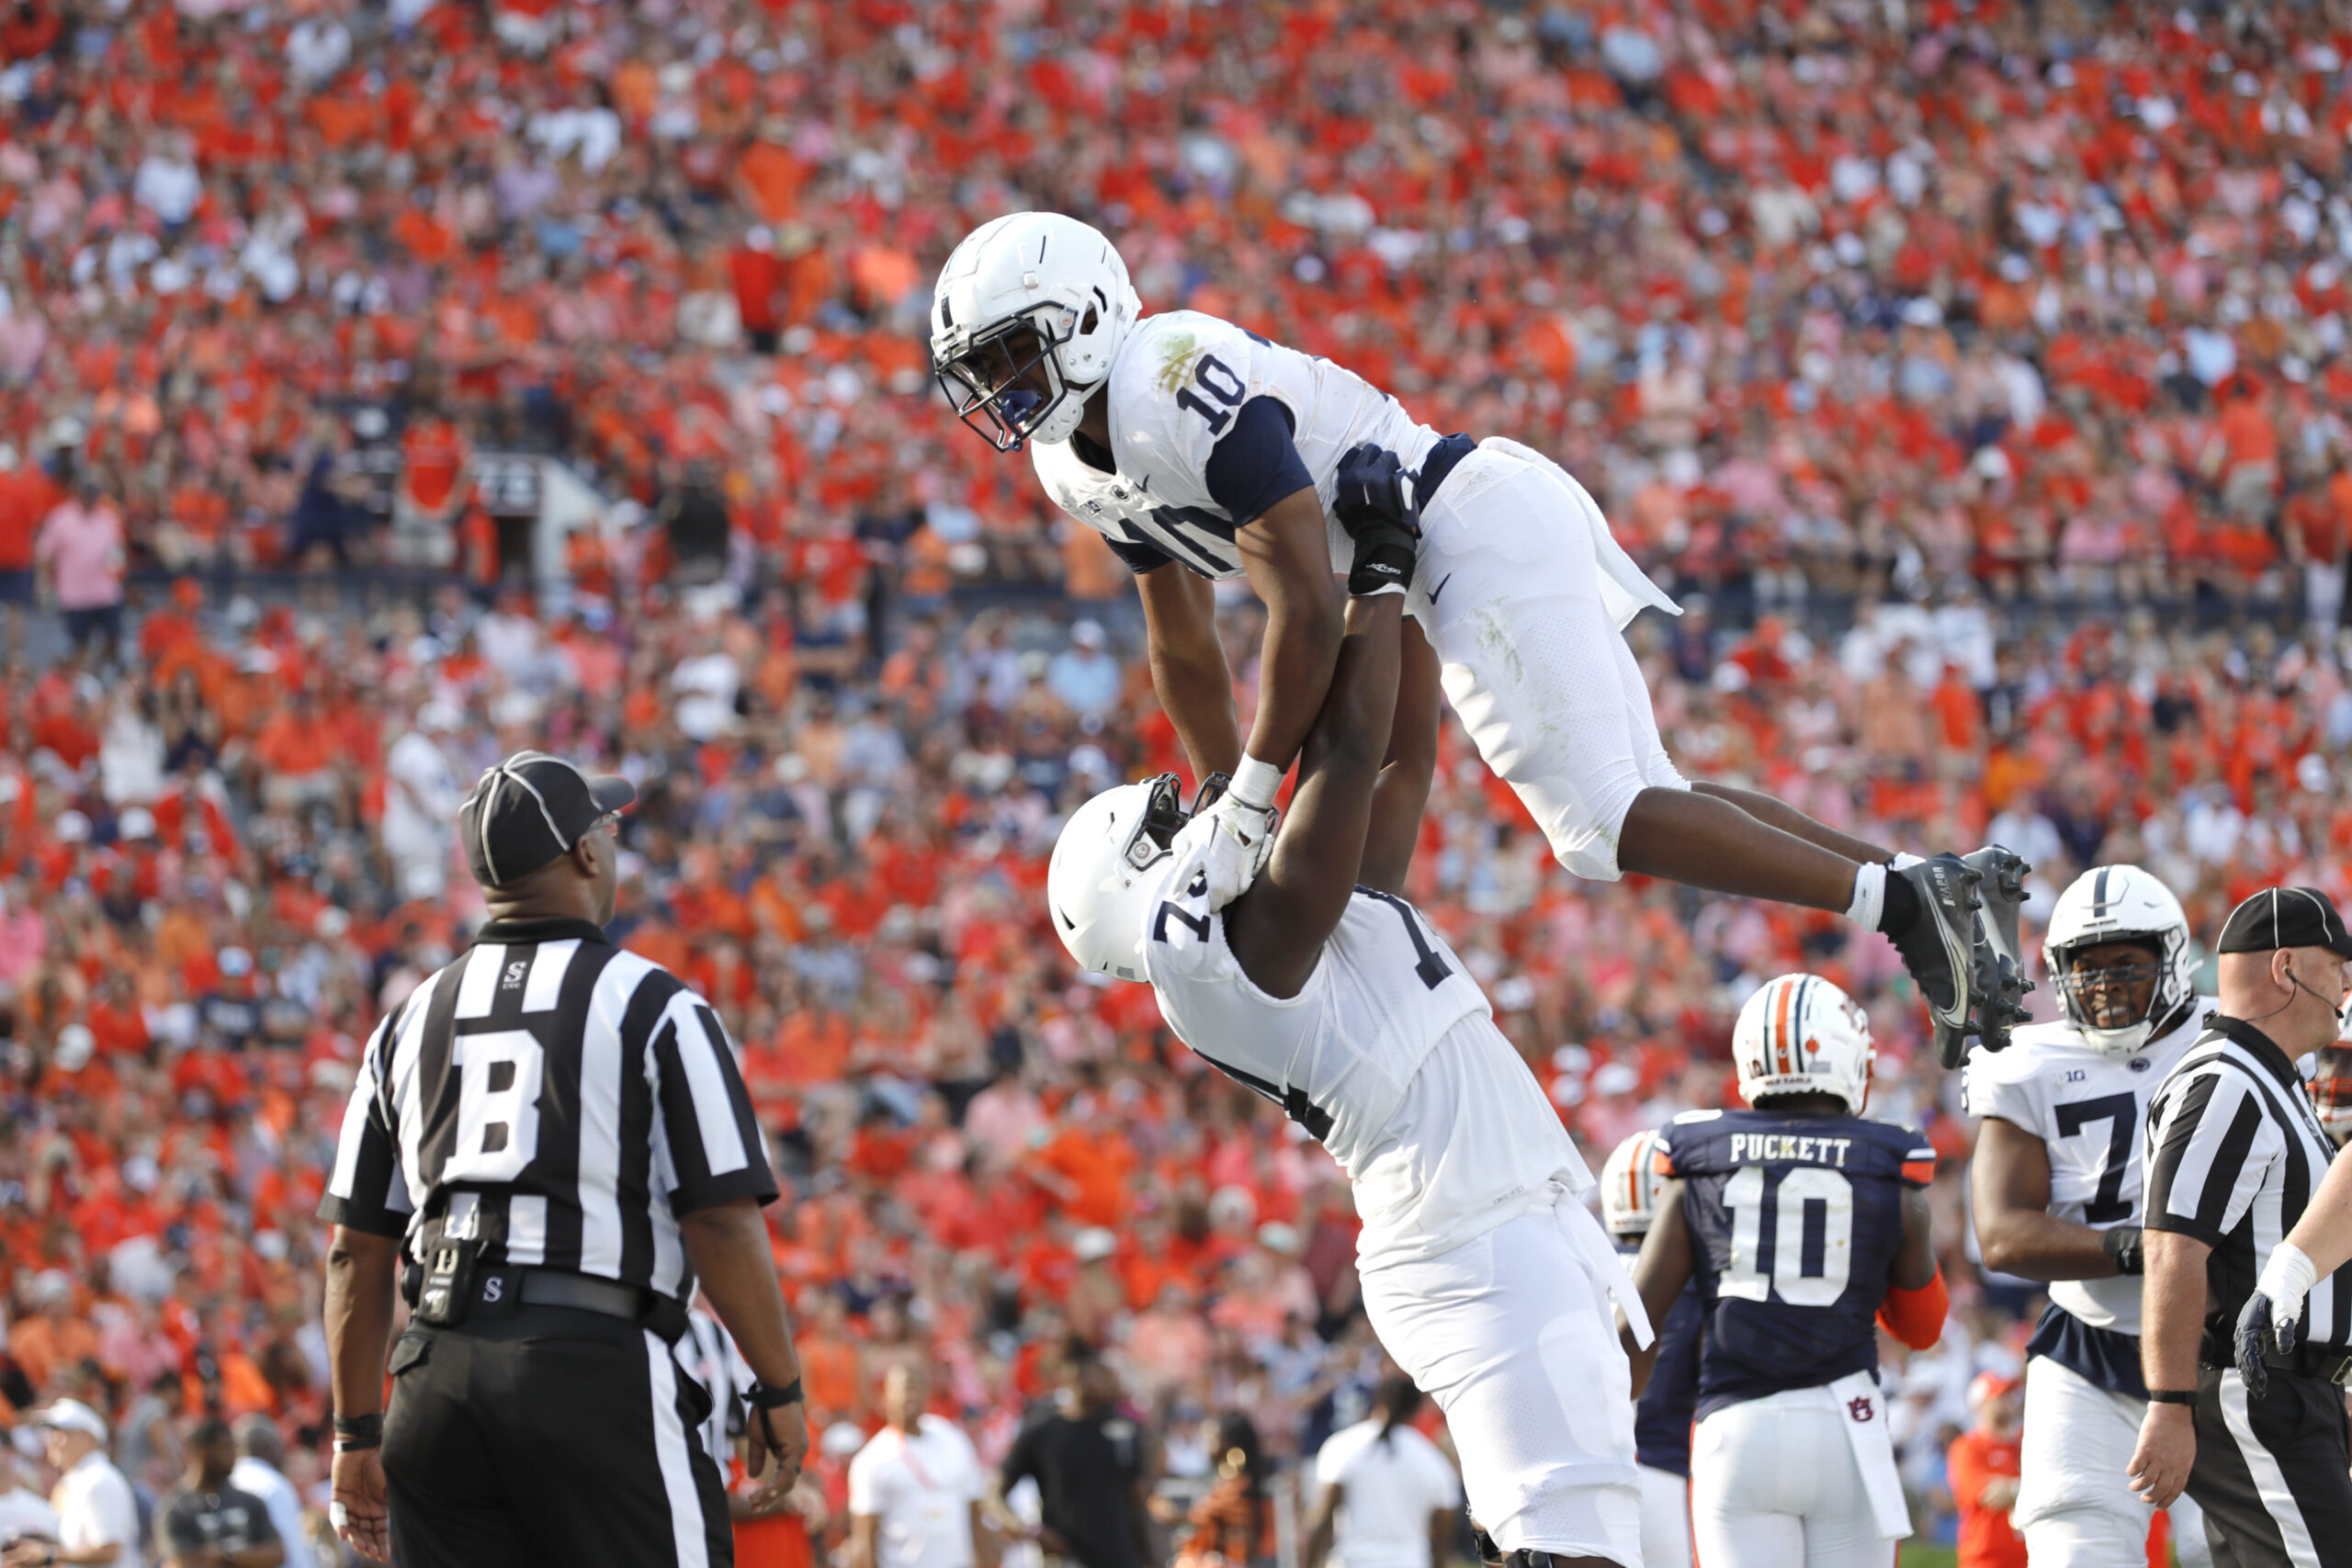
[[1795, 1224]]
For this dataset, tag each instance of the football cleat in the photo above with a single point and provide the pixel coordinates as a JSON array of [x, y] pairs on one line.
[[1945, 949], [2001, 898]]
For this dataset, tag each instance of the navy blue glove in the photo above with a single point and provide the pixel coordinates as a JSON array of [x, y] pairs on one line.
[[1373, 502]]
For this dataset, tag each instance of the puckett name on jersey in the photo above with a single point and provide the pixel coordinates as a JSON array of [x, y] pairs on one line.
[[1756, 1148]]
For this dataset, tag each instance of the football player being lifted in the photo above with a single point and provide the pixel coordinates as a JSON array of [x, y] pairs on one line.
[[2057, 1185], [1321, 989], [1804, 1226], [1203, 452]]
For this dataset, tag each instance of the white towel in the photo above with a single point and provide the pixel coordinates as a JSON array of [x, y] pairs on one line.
[[1625, 589], [1864, 1407], [1577, 1223]]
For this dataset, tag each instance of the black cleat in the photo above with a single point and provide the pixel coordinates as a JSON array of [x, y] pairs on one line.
[[2001, 895], [1946, 950]]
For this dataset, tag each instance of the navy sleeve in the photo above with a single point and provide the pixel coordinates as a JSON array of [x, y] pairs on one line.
[[1140, 556], [1255, 464]]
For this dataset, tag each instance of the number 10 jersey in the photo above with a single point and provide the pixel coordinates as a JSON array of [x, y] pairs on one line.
[[1179, 380], [2089, 1110], [1795, 1222]]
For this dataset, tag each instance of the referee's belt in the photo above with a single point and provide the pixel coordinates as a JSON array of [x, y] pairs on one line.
[[547, 1287], [2324, 1362]]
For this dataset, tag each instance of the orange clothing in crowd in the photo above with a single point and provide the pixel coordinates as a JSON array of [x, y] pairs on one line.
[[1988, 1540]]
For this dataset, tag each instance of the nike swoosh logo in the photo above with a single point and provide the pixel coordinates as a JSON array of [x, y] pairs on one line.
[[1440, 587], [1144, 484]]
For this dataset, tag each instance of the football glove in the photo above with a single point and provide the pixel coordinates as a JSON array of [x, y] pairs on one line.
[[1238, 837], [1373, 502]]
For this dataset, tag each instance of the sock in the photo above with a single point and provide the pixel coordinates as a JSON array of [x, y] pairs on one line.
[[1870, 896]]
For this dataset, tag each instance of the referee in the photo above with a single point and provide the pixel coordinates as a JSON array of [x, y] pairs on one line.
[[2234, 1153], [557, 1129]]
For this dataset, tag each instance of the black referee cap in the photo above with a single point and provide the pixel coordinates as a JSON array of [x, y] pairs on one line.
[[2286, 916], [530, 808]]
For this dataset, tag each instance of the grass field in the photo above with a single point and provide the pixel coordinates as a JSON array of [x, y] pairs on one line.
[[1925, 1556]]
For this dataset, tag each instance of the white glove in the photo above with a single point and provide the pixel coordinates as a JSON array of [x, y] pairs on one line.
[[2286, 1278], [1238, 837]]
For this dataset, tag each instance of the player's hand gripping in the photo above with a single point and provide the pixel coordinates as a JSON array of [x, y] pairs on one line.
[[1373, 502], [1238, 834], [2272, 1317]]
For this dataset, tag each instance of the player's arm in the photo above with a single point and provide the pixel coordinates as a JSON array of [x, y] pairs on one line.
[[1322, 1527], [1659, 1274], [2008, 1183], [1403, 788], [1277, 928], [1188, 669], [1287, 554], [1916, 1304]]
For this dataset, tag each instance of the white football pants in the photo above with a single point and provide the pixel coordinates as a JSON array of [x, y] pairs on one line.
[[1513, 1333], [1666, 1520], [1774, 1484], [2076, 1506], [1521, 593]]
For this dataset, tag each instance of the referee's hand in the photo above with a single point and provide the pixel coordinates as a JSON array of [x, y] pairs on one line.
[[2167, 1452], [788, 1427], [361, 1511]]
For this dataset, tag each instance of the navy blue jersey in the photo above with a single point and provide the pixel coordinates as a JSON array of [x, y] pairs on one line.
[[1795, 1222], [1662, 1417]]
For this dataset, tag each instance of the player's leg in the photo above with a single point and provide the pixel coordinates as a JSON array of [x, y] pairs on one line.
[[1746, 1489], [1510, 591], [1666, 1520], [1513, 1335], [2075, 1507]]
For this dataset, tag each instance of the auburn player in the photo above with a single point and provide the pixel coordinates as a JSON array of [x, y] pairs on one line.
[[1804, 1226], [1629, 1189], [1187, 442]]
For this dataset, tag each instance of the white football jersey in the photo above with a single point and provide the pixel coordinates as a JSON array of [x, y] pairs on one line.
[[1337, 1056], [2089, 1110], [1178, 381]]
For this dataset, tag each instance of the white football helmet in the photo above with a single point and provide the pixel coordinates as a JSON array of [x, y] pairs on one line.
[[1801, 1035], [1098, 885], [1029, 292], [2120, 903], [1629, 1185], [2331, 1090]]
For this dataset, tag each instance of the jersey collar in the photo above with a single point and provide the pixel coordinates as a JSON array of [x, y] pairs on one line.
[[2258, 1045], [553, 930]]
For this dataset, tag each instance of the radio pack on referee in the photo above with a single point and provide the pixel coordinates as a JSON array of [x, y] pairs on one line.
[[446, 1284]]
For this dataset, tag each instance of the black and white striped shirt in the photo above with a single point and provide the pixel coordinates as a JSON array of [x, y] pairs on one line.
[[566, 1097], [2234, 1152]]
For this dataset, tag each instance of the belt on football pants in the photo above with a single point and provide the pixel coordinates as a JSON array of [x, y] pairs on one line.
[[2326, 1363]]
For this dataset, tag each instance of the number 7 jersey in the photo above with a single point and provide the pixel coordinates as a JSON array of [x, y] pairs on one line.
[[2089, 1110], [1795, 1222]]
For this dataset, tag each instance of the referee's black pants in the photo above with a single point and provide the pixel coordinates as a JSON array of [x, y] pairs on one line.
[[554, 1437], [2271, 1473]]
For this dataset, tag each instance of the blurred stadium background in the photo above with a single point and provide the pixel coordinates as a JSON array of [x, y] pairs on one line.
[[388, 387]]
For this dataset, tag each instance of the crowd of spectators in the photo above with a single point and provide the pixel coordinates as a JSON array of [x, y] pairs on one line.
[[2045, 300], [1966, 310]]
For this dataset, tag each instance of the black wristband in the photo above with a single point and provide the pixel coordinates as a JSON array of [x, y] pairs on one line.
[[2172, 1396], [365, 1430], [1384, 561], [763, 1396], [353, 1445], [2122, 1245]]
